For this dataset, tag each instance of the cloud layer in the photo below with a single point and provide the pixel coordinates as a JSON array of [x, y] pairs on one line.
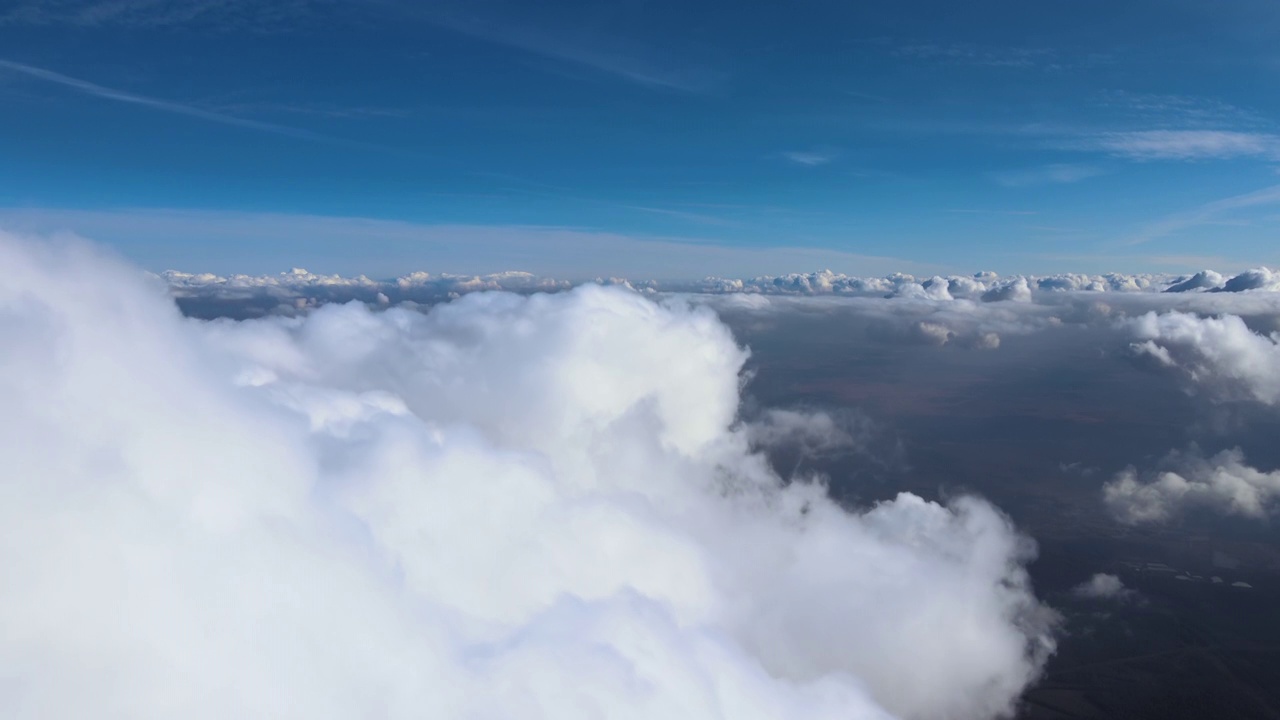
[[535, 506], [986, 286]]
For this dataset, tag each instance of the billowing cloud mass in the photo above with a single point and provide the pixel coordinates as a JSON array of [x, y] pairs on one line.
[[1222, 483], [1255, 279], [1223, 359], [1016, 291], [1102, 586], [1203, 280], [1221, 355], [509, 506]]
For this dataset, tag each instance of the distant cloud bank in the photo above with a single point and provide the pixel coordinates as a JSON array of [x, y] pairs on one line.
[[309, 287]]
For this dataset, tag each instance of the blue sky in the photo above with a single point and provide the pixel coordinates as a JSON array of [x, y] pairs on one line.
[[654, 138]]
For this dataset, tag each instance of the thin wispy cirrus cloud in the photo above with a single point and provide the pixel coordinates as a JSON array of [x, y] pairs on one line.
[[811, 158], [1055, 173], [387, 247], [309, 109], [614, 56], [106, 93], [870, 97], [247, 15], [983, 211], [490, 22], [697, 218], [1179, 111], [1149, 145], [1210, 213], [1003, 57], [980, 55]]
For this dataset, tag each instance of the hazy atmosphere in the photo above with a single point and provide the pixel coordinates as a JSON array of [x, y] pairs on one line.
[[648, 360]]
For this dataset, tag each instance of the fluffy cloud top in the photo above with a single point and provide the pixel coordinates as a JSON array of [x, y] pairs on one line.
[[1222, 483], [1102, 586], [1016, 291], [1220, 354], [1225, 360], [1203, 280], [508, 506], [1255, 279]]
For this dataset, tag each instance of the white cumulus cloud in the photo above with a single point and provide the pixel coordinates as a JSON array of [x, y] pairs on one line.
[[1102, 586], [1223, 483], [510, 506], [1260, 278], [1221, 355]]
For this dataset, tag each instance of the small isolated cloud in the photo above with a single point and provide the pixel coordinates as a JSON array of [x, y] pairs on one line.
[[986, 341], [1186, 144], [1057, 173], [1102, 586], [814, 434], [811, 158], [792, 439], [1224, 484], [934, 333], [981, 55]]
